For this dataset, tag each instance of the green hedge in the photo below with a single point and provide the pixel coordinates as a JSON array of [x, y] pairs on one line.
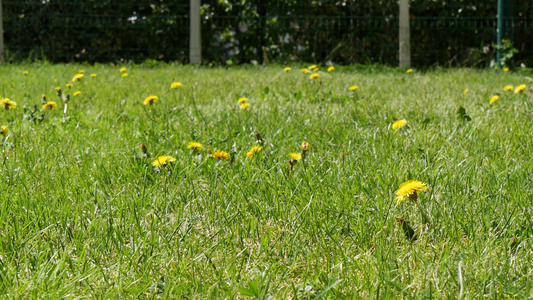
[[454, 33]]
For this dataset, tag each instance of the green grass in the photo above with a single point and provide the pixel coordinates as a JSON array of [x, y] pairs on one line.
[[84, 215]]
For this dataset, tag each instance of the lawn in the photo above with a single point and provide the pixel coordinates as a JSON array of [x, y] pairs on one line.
[[86, 211]]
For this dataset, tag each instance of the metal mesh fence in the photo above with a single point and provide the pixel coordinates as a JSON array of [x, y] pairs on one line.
[[451, 33], [96, 30]]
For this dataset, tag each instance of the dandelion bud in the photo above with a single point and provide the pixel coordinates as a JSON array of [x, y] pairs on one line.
[[258, 137], [4, 130], [305, 146], [143, 148], [43, 100]]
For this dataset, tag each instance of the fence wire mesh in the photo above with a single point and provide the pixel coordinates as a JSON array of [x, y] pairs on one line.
[[451, 33]]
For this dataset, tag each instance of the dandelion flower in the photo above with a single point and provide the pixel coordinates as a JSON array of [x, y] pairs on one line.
[[409, 71], [245, 105], [242, 100], [508, 88], [312, 67], [305, 146], [409, 190], [295, 156], [7, 104], [49, 105], [287, 69], [123, 69], [494, 99], [520, 89], [93, 75], [314, 76], [25, 72], [506, 69], [163, 160], [466, 91], [175, 85], [4, 130], [219, 154], [331, 69], [353, 88], [124, 75], [254, 150], [69, 85], [150, 100], [305, 71], [398, 124], [76, 93], [195, 146], [77, 77]]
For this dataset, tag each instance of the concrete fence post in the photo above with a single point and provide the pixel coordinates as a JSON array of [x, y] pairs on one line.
[[405, 35], [195, 39]]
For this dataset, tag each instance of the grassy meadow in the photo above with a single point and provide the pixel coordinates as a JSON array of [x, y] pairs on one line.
[[84, 213]]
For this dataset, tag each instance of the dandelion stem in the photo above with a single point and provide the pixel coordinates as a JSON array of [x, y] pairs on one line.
[[422, 211]]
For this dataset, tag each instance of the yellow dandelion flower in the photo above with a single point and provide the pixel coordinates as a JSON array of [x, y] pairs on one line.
[[219, 154], [398, 124], [163, 160], [466, 91], [7, 104], [81, 71], [242, 100], [245, 105], [93, 75], [409, 71], [506, 69], [312, 67], [123, 69], [4, 130], [353, 88], [195, 146], [254, 150], [287, 69], [494, 99], [124, 75], [25, 72], [76, 93], [49, 105], [305, 146], [305, 71], [409, 190], [331, 69], [295, 156], [69, 85], [176, 85], [77, 77], [508, 88], [314, 76], [150, 100], [520, 89]]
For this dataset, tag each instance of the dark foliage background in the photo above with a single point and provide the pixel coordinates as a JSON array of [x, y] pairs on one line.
[[445, 33]]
